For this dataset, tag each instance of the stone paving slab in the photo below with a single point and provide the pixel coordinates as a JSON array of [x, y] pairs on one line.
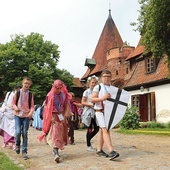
[[146, 152]]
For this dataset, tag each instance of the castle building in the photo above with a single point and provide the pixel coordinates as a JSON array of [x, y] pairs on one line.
[[133, 70]]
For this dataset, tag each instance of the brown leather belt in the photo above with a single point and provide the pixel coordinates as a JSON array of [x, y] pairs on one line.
[[57, 113], [99, 110]]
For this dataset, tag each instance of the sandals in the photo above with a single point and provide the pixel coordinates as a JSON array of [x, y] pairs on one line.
[[4, 145], [13, 146]]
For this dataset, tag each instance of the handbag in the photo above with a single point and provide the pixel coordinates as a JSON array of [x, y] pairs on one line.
[[86, 116]]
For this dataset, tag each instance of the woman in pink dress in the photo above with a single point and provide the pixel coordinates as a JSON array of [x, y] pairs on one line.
[[56, 111]]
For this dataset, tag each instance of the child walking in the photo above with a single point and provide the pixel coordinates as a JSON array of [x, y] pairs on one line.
[[55, 113], [23, 105], [98, 97], [7, 125], [92, 127]]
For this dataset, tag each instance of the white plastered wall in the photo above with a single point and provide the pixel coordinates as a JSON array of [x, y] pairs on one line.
[[162, 99]]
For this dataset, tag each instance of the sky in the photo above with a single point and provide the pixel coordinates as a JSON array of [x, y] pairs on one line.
[[74, 25]]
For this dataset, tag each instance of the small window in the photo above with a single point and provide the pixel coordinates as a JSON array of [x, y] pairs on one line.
[[117, 72], [150, 65], [135, 101], [127, 70]]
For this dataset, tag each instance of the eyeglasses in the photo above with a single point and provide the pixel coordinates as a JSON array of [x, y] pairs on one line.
[[106, 76]]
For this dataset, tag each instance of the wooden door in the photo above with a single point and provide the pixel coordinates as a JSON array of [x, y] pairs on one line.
[[143, 107]]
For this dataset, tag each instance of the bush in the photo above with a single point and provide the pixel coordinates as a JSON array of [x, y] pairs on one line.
[[131, 118]]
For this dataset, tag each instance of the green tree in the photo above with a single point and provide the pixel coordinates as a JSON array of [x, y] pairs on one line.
[[33, 57], [65, 76], [154, 26]]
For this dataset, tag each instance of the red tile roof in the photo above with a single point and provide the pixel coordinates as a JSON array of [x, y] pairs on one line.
[[138, 51], [110, 38], [139, 75], [77, 82]]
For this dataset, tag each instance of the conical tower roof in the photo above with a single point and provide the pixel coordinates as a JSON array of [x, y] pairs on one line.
[[109, 38]]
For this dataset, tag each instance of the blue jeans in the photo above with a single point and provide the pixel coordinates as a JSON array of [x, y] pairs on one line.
[[21, 127]]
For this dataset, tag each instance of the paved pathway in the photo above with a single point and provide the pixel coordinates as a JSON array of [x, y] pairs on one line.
[[136, 152]]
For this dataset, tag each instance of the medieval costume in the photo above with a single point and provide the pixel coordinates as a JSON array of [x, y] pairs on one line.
[[56, 111], [7, 121]]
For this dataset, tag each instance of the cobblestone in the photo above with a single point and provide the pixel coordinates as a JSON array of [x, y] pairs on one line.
[[146, 152]]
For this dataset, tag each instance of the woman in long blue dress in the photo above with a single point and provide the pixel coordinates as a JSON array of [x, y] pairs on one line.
[[37, 122]]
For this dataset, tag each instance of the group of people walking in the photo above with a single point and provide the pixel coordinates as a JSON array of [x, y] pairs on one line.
[[59, 109]]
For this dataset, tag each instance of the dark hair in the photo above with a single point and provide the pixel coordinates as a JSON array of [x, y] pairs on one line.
[[18, 86], [105, 71]]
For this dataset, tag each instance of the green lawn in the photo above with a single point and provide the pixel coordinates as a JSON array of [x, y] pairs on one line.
[[7, 164], [146, 131]]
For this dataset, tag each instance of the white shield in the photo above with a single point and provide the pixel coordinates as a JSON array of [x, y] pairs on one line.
[[115, 107]]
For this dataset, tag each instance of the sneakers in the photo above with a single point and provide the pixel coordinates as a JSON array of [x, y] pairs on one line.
[[17, 149], [24, 155], [55, 152], [112, 155], [101, 154], [90, 148], [72, 143], [57, 158]]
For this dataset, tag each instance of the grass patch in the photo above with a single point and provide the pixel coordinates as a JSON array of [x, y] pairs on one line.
[[146, 131], [7, 164]]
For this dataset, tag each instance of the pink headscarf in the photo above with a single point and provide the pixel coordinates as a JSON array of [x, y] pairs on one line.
[[59, 83], [47, 114]]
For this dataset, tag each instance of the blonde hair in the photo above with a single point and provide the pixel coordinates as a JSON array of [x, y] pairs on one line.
[[92, 78], [72, 94], [26, 78]]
